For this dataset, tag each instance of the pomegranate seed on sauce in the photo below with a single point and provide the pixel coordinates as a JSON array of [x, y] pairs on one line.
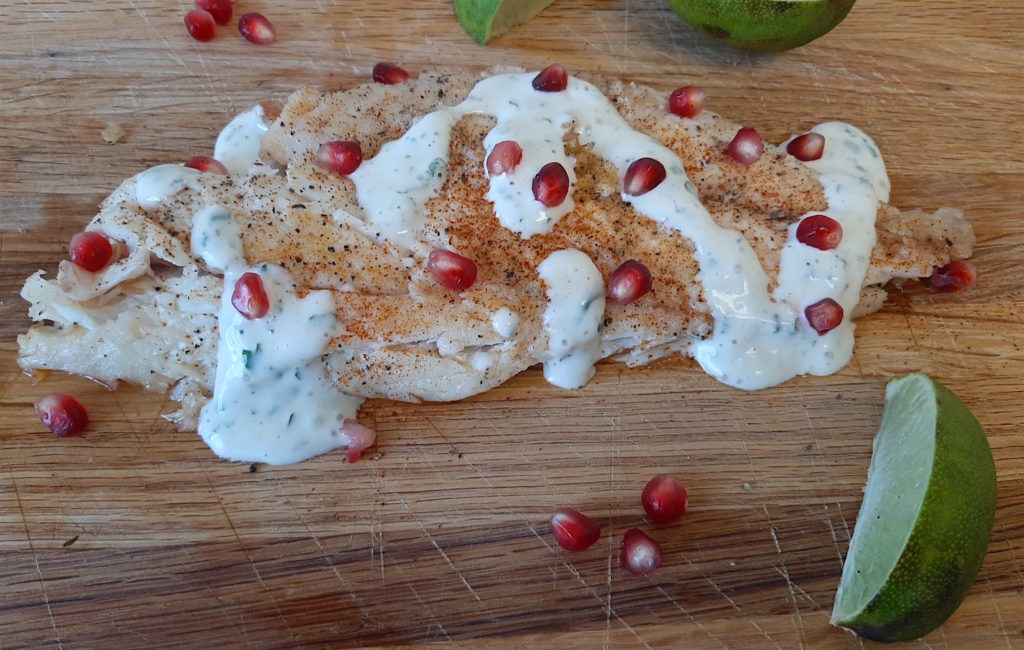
[[359, 438], [551, 184], [573, 530], [249, 297], [640, 553], [339, 157], [955, 276], [819, 231], [824, 315], [451, 270], [62, 414], [664, 499], [219, 9], [389, 74], [91, 251], [200, 25], [642, 176], [256, 28], [746, 147], [687, 101], [207, 165], [806, 147], [629, 282], [551, 79], [504, 158]]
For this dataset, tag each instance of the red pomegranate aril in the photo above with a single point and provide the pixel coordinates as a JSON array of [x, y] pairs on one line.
[[339, 157], [62, 414], [642, 176], [219, 9], [389, 74], [806, 147], [819, 231], [551, 184], [629, 282], [640, 553], [91, 251], [551, 79], [955, 276], [504, 158], [359, 438], [256, 28], [451, 270], [573, 530], [824, 315], [207, 165], [687, 101], [249, 297], [200, 25], [664, 499], [746, 147]]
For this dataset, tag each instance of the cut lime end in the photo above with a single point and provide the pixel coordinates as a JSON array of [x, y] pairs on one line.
[[488, 19]]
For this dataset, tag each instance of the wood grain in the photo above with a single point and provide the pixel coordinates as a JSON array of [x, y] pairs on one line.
[[136, 535]]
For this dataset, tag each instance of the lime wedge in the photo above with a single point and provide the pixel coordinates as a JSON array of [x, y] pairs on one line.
[[923, 527], [487, 19]]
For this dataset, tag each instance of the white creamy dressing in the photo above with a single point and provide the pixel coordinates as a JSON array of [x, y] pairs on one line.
[[238, 145], [157, 184], [505, 322], [572, 319]]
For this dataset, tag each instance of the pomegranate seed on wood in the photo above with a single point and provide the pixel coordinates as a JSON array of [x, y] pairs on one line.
[[664, 499], [687, 101], [806, 147], [573, 530], [746, 146], [339, 157], [91, 251], [551, 79], [824, 315], [219, 9], [200, 25], [256, 28], [955, 276], [359, 438], [389, 74], [249, 297], [819, 231], [629, 282], [640, 553], [62, 414], [504, 158], [642, 176], [451, 270], [551, 184], [207, 165]]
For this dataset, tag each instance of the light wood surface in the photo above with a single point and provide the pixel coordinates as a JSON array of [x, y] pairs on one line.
[[137, 536]]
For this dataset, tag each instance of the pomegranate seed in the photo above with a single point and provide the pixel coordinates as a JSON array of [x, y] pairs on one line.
[[451, 270], [551, 184], [629, 282], [359, 438], [504, 158], [339, 157], [824, 315], [819, 231], [207, 165], [256, 28], [664, 499], [389, 74], [808, 146], [62, 414], [573, 530], [640, 553], [219, 9], [746, 147], [551, 79], [642, 176], [687, 101], [955, 276], [91, 251], [200, 24], [249, 296]]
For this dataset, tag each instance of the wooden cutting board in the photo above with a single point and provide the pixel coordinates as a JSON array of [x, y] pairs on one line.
[[137, 536]]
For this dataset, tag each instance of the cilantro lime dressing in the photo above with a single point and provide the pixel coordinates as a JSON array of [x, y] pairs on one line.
[[157, 184], [238, 144], [572, 318]]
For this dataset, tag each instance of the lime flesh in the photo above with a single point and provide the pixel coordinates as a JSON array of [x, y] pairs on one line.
[[924, 525], [487, 19]]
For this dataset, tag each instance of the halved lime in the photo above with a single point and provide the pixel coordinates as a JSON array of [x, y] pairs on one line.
[[764, 25], [487, 19], [924, 525]]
